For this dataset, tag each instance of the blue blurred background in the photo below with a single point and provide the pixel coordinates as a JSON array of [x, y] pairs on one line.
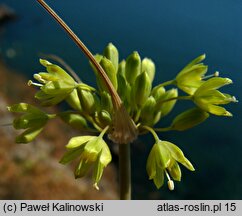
[[171, 33]]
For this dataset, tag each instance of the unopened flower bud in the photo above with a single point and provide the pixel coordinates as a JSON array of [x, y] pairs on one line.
[[124, 89], [106, 101], [30, 120], [111, 53], [109, 68], [164, 105], [158, 92], [74, 120], [189, 119], [73, 100], [103, 118], [89, 101], [141, 89], [148, 66], [29, 135], [147, 112], [121, 68], [132, 67]]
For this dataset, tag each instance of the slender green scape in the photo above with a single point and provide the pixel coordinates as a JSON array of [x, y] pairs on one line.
[[124, 105]]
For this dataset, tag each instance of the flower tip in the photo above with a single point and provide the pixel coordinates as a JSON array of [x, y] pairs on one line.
[[233, 99], [229, 114], [96, 186], [216, 74], [44, 62], [170, 184], [228, 81], [30, 83]]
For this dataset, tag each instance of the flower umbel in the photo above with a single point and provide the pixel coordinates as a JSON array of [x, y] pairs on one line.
[[124, 105], [140, 108]]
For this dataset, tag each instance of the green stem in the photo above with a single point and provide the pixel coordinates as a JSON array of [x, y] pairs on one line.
[[163, 129], [170, 82], [137, 115], [124, 172], [153, 132], [177, 98]]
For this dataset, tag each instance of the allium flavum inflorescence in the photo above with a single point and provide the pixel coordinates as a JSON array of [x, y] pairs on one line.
[[92, 109]]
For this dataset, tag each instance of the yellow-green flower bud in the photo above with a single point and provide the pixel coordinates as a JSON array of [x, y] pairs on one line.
[[189, 119], [106, 102], [124, 89], [73, 100], [89, 101], [29, 135], [121, 68], [100, 83], [157, 116], [147, 112], [111, 53], [24, 108], [158, 92], [30, 120], [109, 68], [148, 66], [103, 118], [132, 67], [74, 120], [163, 103], [141, 89]]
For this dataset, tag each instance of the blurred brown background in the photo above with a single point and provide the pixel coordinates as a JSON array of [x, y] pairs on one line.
[[32, 171]]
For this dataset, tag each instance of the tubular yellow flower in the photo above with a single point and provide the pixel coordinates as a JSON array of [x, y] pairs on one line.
[[207, 97], [162, 159], [190, 77]]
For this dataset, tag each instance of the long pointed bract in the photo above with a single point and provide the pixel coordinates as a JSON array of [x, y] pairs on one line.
[[129, 127]]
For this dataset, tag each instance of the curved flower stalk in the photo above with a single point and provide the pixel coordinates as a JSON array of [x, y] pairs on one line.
[[124, 106]]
